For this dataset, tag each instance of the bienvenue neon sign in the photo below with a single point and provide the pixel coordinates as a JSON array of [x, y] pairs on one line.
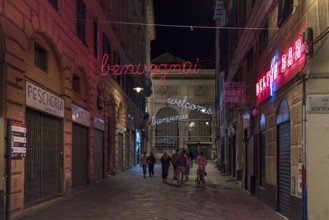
[[280, 65], [183, 103], [162, 69]]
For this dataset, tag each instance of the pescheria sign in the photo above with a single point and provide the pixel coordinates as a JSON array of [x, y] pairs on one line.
[[279, 66], [162, 69]]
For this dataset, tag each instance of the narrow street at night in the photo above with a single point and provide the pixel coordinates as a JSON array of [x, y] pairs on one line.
[[131, 196]]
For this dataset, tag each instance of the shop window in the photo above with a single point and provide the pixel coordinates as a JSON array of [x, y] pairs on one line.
[[284, 10], [81, 20], [40, 57], [263, 38], [106, 45], [250, 59], [76, 83]]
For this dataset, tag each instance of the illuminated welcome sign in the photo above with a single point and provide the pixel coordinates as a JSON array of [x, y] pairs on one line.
[[162, 69], [282, 69], [183, 103]]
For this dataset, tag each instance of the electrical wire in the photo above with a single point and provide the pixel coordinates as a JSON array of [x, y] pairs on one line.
[[191, 27]]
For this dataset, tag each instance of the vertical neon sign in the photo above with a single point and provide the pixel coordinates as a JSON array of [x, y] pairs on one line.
[[279, 65]]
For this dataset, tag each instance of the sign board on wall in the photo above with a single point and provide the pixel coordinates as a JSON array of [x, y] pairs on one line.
[[80, 116], [18, 140], [43, 100], [318, 104], [234, 92]]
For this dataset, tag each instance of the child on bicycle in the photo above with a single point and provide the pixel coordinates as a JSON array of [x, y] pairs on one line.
[[201, 161], [181, 163]]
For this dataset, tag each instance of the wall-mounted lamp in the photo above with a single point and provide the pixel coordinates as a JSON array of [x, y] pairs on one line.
[[138, 89]]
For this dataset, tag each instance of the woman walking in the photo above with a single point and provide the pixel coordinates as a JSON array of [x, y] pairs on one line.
[[165, 162]]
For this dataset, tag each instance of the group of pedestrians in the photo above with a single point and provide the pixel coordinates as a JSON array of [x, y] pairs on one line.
[[182, 161], [148, 161]]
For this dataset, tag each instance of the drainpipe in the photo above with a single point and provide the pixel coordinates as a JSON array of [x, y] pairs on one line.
[[304, 185], [8, 170]]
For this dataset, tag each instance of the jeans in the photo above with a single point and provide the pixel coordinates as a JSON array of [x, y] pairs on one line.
[[144, 169]]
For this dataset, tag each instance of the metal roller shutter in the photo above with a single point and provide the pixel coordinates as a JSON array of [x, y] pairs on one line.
[[262, 162], [98, 155], [80, 145], [284, 169], [44, 157]]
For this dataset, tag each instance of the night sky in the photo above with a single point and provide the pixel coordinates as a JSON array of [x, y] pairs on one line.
[[182, 42]]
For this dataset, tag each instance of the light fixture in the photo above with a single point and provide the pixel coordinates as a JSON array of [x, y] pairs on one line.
[[138, 89]]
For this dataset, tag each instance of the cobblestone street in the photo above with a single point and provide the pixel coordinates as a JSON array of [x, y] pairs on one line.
[[131, 196]]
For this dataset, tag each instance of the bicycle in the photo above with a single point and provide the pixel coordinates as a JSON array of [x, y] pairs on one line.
[[200, 177], [180, 175]]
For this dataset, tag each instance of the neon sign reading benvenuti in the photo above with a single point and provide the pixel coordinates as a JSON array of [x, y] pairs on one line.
[[162, 69], [280, 65]]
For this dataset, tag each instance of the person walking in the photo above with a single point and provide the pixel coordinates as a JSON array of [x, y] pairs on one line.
[[201, 161], [181, 163], [151, 161], [165, 162], [173, 161], [192, 158], [143, 162], [187, 169]]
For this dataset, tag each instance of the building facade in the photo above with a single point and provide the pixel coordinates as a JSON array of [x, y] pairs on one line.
[[72, 119], [181, 107], [275, 137]]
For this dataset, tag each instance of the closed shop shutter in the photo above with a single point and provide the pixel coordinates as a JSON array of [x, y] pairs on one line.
[[98, 155], [80, 143], [284, 169], [120, 152], [127, 150], [262, 159], [44, 157]]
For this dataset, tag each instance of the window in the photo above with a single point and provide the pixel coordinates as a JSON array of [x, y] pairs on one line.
[[54, 3], [81, 20], [76, 83], [96, 37], [40, 57], [166, 131], [199, 128], [106, 45], [263, 39], [250, 59], [284, 10]]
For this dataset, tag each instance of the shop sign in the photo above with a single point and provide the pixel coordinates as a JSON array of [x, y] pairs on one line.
[[162, 69], [280, 66], [234, 92], [99, 124], [43, 100], [80, 116], [318, 104], [18, 140]]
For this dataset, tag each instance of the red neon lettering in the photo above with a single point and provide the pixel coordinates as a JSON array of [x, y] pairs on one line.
[[283, 63], [280, 66], [298, 53], [187, 68], [290, 60]]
